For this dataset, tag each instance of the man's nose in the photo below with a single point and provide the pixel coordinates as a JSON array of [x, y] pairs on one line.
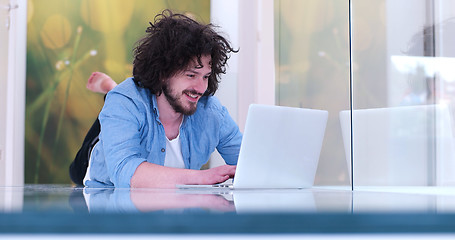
[[201, 85]]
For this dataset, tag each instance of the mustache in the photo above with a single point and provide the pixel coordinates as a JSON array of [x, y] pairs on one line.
[[193, 92]]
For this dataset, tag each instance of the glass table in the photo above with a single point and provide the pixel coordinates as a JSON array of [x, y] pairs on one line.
[[67, 209]]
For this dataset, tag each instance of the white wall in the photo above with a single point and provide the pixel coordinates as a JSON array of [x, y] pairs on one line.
[[3, 82], [13, 93], [225, 15]]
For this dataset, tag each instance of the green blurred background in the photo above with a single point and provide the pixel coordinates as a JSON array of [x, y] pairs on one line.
[[67, 41]]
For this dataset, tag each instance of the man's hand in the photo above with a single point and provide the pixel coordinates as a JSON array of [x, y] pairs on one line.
[[216, 175], [149, 175]]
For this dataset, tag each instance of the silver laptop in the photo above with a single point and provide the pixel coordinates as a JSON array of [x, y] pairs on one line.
[[280, 148]]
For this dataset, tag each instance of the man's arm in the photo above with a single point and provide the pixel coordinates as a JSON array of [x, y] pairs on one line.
[[149, 175], [230, 139]]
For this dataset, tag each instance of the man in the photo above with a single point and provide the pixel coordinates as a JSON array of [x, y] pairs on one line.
[[159, 127]]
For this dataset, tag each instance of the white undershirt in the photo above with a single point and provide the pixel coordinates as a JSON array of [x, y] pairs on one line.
[[174, 153], [87, 174], [174, 156]]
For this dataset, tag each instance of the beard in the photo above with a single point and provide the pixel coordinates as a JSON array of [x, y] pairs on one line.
[[176, 103]]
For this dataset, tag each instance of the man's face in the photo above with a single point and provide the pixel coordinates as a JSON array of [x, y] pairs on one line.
[[184, 89]]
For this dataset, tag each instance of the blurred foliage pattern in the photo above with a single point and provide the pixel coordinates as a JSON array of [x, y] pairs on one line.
[[67, 41]]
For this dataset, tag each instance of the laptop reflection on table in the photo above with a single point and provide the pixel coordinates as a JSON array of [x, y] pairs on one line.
[[400, 146]]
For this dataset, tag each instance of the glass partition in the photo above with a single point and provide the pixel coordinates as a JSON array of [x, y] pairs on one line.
[[312, 59], [403, 86], [403, 93]]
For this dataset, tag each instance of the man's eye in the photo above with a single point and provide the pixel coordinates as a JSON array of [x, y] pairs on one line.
[[190, 75], [206, 77]]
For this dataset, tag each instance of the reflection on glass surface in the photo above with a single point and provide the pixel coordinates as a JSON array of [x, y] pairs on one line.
[[312, 57], [65, 199], [211, 201], [430, 66], [55, 198], [398, 146], [403, 93], [151, 200], [398, 200], [11, 200]]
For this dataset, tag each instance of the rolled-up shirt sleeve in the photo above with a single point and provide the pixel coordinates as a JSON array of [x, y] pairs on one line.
[[122, 122]]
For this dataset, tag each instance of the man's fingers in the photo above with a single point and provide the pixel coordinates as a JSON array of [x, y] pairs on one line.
[[232, 171], [224, 178], [220, 174], [228, 170]]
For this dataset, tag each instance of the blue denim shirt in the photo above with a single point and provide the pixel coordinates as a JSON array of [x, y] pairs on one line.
[[132, 133]]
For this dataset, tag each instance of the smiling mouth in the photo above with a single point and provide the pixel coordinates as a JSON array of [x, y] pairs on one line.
[[192, 95]]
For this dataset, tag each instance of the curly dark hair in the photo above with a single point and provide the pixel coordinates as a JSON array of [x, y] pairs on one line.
[[171, 44]]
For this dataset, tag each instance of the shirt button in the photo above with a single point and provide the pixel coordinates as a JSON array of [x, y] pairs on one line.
[[163, 150]]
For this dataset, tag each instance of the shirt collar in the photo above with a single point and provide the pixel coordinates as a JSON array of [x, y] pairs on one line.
[[154, 106]]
